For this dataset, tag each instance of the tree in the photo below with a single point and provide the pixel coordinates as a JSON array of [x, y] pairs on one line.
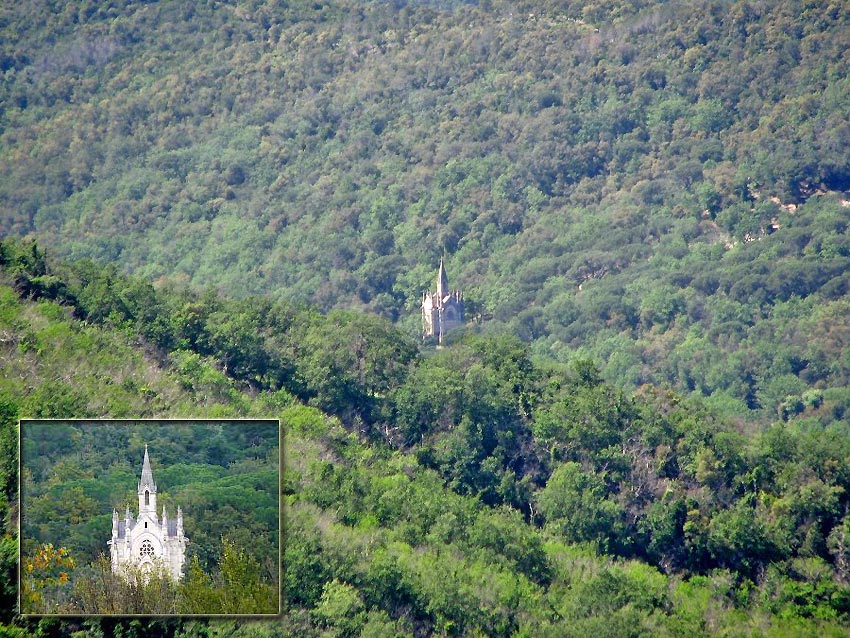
[[576, 507], [45, 580], [97, 590], [431, 399], [737, 539], [196, 594], [839, 547], [241, 587], [341, 608]]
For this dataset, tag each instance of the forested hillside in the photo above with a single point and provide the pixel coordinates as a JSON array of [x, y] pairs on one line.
[[231, 209], [465, 492], [655, 187]]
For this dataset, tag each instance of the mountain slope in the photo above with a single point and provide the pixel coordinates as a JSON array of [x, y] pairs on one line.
[[624, 178], [466, 491]]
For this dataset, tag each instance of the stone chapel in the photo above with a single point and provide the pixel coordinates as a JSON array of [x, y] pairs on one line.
[[442, 310], [147, 540]]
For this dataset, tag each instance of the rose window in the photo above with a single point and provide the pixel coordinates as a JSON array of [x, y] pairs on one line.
[[146, 549]]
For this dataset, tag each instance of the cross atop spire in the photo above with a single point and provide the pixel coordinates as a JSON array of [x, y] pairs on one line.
[[147, 475]]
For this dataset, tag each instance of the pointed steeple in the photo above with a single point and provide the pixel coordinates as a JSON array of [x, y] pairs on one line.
[[147, 489], [442, 282], [147, 475]]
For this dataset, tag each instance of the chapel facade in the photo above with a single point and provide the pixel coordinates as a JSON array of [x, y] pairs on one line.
[[442, 310], [147, 541]]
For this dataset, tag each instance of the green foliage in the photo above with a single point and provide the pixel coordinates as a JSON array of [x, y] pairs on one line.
[[654, 188], [502, 535], [387, 536], [574, 505], [237, 587], [96, 590], [341, 608], [626, 210], [351, 362]]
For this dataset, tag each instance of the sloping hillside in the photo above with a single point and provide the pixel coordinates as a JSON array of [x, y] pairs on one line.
[[471, 491], [625, 179]]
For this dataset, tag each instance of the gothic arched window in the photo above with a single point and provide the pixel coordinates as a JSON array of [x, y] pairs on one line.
[[146, 549], [147, 498]]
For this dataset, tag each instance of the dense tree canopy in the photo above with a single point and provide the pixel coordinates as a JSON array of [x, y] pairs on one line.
[[644, 428], [468, 490], [655, 187]]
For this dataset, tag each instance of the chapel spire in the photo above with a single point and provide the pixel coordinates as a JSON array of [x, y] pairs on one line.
[[147, 474], [442, 282], [147, 489]]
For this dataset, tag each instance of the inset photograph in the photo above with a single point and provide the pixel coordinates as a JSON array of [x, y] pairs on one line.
[[150, 518]]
